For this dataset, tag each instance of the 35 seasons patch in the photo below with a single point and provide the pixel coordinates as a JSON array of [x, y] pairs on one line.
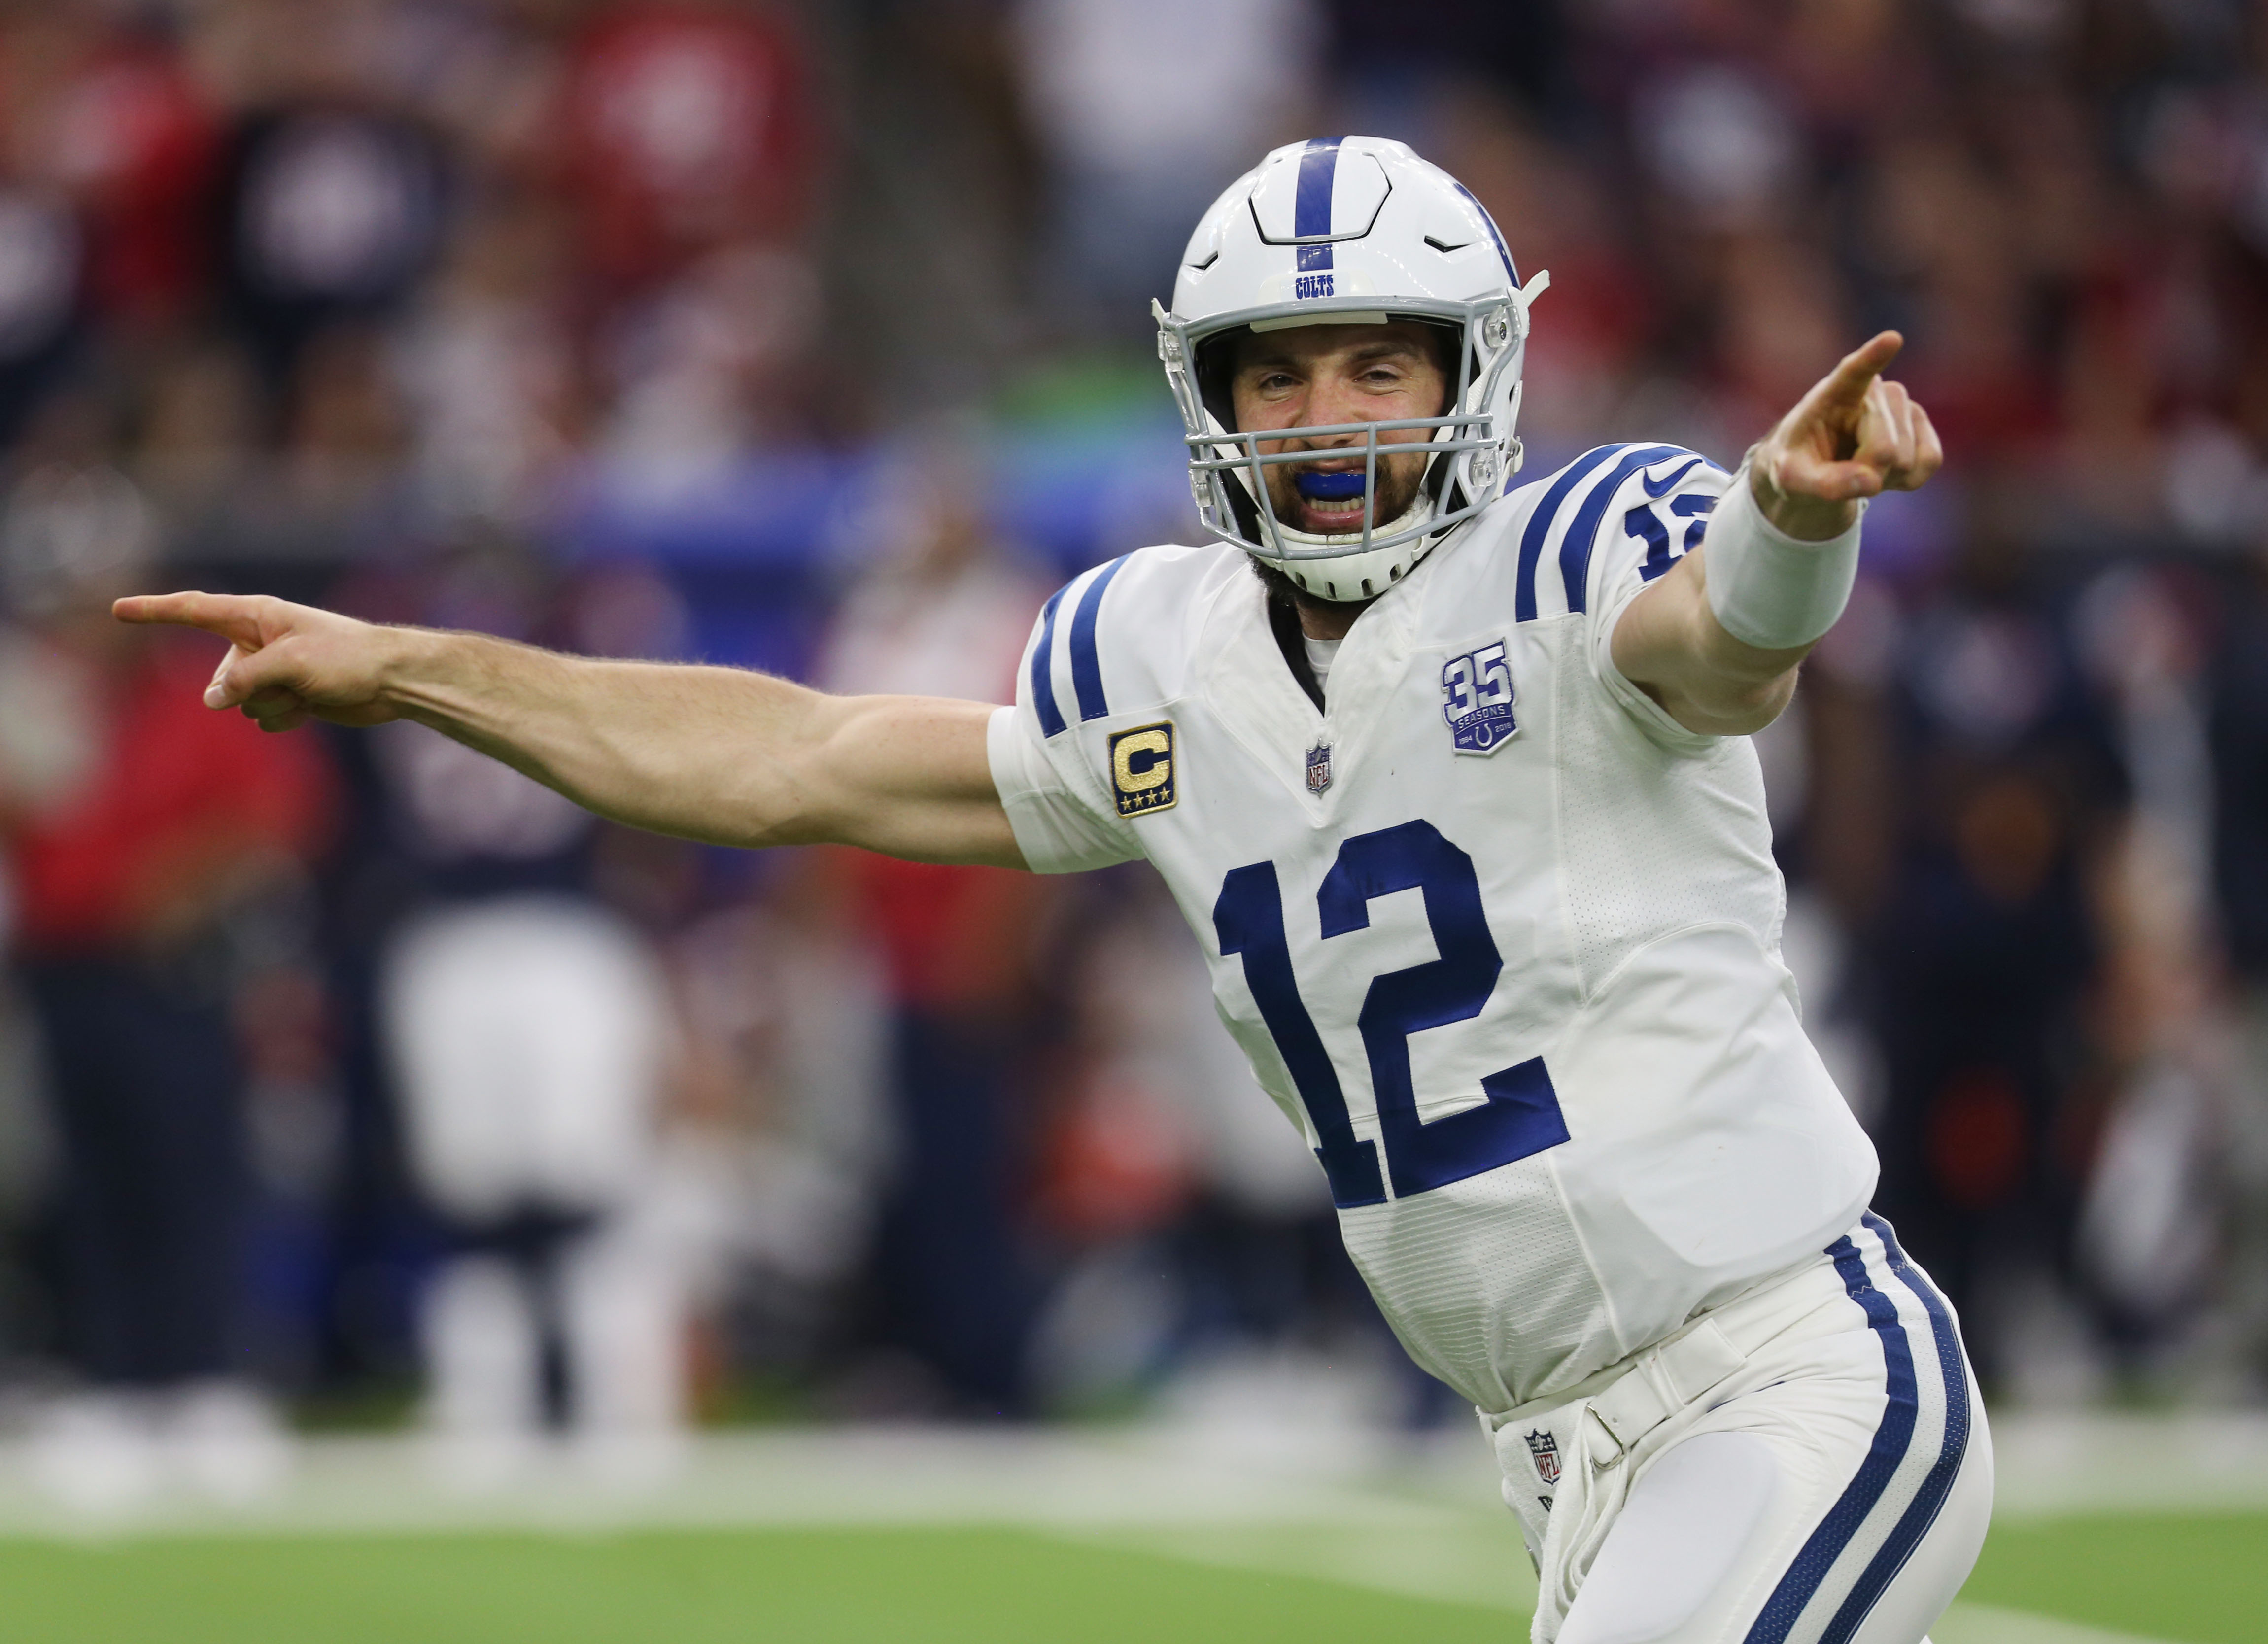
[[1141, 769]]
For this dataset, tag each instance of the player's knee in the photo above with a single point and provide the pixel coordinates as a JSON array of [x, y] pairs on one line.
[[1677, 1542]]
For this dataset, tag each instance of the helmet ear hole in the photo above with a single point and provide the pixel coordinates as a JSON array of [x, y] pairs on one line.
[[1216, 373]]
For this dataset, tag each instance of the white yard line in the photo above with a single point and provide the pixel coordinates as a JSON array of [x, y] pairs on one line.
[[1160, 1477], [1461, 1559], [1337, 1505], [2198, 1461], [871, 1476]]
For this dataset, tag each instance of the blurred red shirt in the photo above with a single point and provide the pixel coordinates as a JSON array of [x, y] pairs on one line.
[[688, 129], [136, 145], [177, 791]]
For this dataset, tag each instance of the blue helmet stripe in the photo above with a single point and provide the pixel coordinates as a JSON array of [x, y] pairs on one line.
[[1311, 209], [1511, 273]]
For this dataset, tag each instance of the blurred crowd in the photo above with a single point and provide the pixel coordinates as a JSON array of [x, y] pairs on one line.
[[348, 1078]]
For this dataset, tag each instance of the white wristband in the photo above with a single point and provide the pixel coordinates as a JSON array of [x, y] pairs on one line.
[[1769, 589]]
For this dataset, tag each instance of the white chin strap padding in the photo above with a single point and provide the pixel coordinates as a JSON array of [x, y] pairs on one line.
[[1360, 573]]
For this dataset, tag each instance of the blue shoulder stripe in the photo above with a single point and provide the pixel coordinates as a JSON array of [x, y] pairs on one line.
[[1539, 526], [1086, 665], [1043, 669], [1582, 535]]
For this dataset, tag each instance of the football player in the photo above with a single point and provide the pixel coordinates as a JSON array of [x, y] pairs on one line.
[[1457, 795]]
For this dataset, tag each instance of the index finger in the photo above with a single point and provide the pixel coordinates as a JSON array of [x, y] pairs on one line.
[[1848, 382], [234, 617]]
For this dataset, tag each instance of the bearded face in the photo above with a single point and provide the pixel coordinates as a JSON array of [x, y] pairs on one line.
[[1316, 376]]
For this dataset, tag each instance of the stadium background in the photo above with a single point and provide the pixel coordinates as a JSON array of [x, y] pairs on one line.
[[933, 1204]]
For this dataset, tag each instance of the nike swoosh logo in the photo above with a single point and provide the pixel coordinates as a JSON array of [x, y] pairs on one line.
[[1662, 490]]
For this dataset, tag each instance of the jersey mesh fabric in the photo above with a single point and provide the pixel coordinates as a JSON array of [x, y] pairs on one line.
[[1426, 1258], [1630, 811]]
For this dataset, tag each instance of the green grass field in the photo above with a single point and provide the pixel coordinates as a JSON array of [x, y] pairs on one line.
[[2113, 1529], [2200, 1579], [2194, 1580]]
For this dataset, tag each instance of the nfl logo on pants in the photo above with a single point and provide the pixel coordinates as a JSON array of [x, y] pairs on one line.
[[1545, 1449]]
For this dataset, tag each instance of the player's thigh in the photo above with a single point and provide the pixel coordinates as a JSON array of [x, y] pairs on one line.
[[1846, 1499], [1716, 1525], [1691, 1528], [1919, 1593]]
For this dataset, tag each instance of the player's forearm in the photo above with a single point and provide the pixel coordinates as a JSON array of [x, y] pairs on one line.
[[654, 746], [1718, 640], [718, 755], [1670, 644]]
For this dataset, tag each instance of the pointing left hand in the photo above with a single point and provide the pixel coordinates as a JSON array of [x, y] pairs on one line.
[[1855, 435]]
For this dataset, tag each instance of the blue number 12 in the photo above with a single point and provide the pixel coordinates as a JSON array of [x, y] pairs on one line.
[[1521, 1114]]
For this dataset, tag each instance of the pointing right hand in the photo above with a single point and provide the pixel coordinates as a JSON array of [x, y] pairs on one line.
[[286, 663]]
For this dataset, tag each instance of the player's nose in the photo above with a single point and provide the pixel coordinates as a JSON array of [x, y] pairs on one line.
[[1328, 408]]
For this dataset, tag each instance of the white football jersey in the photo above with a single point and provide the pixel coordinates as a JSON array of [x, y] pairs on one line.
[[1499, 935]]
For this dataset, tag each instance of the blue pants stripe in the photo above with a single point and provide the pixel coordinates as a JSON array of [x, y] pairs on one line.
[[1929, 1500], [1892, 1439]]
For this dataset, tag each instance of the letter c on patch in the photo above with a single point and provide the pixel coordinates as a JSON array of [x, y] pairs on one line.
[[1141, 769]]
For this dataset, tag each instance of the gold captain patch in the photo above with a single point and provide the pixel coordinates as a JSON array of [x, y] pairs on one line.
[[1141, 769]]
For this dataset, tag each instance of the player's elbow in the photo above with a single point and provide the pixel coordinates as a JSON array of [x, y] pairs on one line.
[[1734, 707]]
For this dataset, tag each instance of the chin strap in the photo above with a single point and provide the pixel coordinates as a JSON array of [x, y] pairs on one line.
[[1352, 542]]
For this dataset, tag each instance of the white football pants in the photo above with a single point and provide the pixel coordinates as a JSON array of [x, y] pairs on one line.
[[527, 1035], [1834, 1488]]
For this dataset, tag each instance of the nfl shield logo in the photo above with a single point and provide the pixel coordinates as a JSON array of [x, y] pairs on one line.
[[1545, 1449], [1319, 767]]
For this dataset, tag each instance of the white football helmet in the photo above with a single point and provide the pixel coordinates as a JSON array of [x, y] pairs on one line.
[[1346, 230]]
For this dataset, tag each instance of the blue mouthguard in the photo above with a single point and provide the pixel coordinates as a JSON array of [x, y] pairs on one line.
[[1329, 487]]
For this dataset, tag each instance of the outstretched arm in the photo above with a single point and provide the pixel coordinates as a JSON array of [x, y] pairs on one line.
[[718, 755], [1853, 436]]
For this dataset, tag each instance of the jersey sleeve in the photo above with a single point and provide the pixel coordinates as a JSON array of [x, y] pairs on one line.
[[1062, 819], [1655, 515]]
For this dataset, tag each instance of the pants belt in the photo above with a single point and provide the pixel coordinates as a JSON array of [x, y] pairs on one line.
[[1652, 1384], [1661, 1382]]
